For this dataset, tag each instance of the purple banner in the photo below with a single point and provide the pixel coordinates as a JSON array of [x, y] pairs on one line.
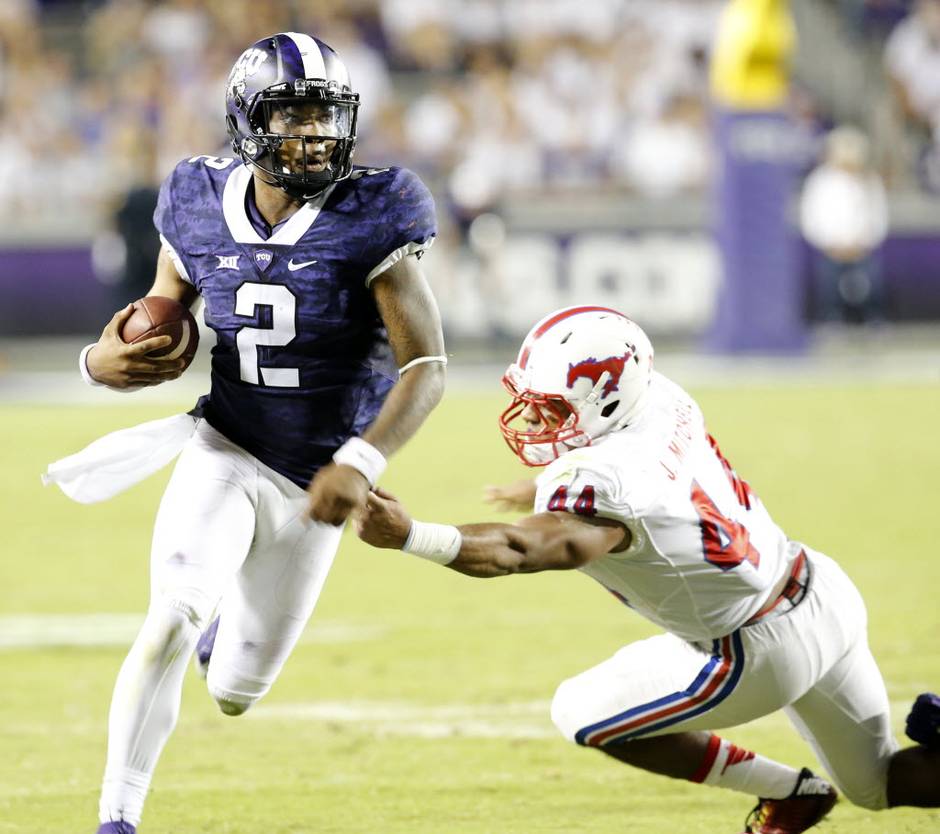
[[48, 291], [45, 291], [761, 301]]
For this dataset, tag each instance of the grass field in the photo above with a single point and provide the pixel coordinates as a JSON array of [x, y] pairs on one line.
[[418, 701]]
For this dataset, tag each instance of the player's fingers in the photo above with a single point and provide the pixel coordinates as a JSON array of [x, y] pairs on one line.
[[383, 493], [147, 345], [157, 372], [147, 381], [166, 367], [496, 497], [147, 372], [114, 326]]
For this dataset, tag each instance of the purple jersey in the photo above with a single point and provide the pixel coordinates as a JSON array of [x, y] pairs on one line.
[[302, 360]]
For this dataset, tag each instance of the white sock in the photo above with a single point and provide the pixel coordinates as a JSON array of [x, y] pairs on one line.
[[729, 766], [144, 709], [122, 795]]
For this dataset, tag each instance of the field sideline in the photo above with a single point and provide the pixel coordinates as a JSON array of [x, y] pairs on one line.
[[418, 701]]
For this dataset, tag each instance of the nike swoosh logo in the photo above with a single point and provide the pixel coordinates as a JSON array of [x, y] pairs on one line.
[[294, 267]]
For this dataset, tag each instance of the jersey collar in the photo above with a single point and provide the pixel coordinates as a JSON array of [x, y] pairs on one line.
[[239, 224]]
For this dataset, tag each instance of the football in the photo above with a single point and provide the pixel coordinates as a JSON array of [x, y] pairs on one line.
[[155, 315]]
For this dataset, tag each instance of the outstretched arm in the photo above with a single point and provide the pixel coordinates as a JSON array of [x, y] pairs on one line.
[[546, 541], [118, 365], [411, 318]]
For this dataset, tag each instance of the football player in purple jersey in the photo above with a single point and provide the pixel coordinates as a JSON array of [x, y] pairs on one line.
[[329, 356]]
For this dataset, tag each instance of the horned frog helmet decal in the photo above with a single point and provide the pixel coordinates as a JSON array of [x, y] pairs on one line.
[[581, 372]]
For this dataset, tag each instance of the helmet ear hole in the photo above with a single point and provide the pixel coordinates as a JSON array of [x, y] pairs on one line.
[[610, 408]]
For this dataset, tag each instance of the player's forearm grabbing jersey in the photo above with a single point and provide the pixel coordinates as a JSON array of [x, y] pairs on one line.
[[302, 360], [704, 553]]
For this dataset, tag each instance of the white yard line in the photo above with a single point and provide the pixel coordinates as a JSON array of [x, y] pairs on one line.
[[518, 720], [515, 720], [389, 718], [33, 631]]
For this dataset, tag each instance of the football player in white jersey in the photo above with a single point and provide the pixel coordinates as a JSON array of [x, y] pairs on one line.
[[637, 494]]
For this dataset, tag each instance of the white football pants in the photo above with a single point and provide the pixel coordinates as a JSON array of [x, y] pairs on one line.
[[232, 533], [813, 662]]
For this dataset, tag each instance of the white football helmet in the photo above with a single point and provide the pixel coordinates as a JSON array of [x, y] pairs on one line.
[[583, 372]]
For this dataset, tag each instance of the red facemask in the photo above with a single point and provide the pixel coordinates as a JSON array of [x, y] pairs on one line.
[[538, 444]]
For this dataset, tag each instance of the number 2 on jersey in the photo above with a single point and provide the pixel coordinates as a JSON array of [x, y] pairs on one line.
[[283, 304]]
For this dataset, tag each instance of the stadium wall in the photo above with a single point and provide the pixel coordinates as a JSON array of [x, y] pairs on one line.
[[658, 261]]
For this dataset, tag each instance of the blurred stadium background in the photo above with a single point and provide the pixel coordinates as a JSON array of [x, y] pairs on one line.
[[576, 151], [756, 182]]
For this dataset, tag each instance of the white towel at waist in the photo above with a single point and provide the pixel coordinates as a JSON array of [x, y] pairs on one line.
[[119, 460]]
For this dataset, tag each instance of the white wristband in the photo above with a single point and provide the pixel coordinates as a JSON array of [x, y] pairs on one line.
[[363, 456], [436, 542], [83, 367]]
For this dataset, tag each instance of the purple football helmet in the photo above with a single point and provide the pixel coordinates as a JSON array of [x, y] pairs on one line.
[[291, 113]]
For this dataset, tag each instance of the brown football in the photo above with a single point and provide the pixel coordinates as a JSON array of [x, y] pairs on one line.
[[155, 315]]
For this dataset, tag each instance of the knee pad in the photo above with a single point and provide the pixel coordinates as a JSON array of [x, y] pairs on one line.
[[230, 703]]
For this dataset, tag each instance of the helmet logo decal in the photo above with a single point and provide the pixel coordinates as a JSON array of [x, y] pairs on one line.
[[593, 369], [247, 66]]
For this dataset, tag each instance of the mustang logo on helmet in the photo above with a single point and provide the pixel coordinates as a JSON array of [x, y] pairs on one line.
[[552, 411], [593, 369]]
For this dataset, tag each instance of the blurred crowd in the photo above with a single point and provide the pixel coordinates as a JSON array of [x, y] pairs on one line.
[[481, 97]]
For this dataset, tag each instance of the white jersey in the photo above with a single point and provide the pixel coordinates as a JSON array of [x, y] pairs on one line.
[[704, 553]]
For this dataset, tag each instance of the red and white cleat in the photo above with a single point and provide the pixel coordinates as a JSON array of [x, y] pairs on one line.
[[811, 800]]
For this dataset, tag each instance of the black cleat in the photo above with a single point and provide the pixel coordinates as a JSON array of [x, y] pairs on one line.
[[811, 800], [923, 721]]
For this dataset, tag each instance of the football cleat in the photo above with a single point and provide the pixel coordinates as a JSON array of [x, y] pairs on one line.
[[923, 721], [204, 648], [811, 800], [118, 827]]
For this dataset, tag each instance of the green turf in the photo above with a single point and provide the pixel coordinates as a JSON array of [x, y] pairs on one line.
[[849, 470]]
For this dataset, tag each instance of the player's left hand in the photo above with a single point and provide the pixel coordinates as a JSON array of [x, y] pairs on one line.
[[384, 522], [336, 492], [517, 496]]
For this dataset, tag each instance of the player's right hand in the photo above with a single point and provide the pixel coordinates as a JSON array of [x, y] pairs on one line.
[[517, 496], [117, 364], [383, 522]]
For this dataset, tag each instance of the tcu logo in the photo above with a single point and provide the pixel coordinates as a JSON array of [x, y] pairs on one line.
[[263, 258], [593, 368], [249, 63]]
